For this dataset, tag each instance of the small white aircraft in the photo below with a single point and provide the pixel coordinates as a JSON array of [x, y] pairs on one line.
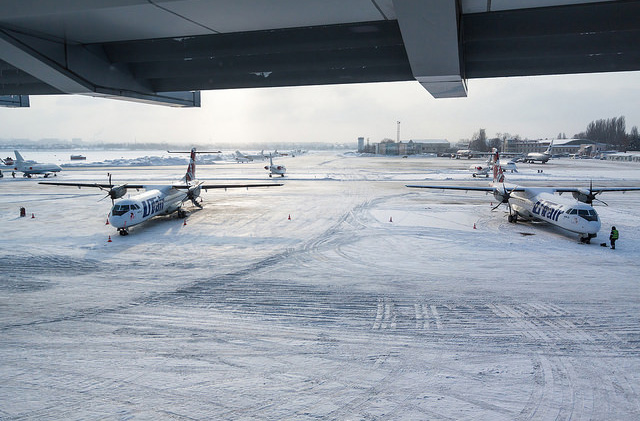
[[155, 200], [275, 169], [240, 157], [479, 170], [541, 204], [29, 168], [537, 156]]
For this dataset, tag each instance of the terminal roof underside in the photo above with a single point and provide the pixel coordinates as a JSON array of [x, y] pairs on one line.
[[143, 48]]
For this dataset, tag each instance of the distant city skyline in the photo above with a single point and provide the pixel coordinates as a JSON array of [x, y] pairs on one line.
[[533, 107]]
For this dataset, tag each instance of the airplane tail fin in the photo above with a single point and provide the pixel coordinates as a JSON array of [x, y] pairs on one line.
[[498, 174], [548, 151], [19, 157], [191, 169]]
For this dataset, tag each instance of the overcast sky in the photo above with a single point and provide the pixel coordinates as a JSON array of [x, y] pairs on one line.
[[533, 107]]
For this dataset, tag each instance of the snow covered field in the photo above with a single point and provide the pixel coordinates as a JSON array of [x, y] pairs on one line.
[[374, 301]]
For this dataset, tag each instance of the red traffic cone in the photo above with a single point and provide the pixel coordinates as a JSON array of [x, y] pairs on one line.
[[32, 216], [474, 225], [390, 219], [109, 240], [185, 223], [107, 223], [289, 217]]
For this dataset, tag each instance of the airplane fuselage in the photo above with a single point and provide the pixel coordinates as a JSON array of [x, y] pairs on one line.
[[29, 168], [137, 209], [535, 156], [567, 214]]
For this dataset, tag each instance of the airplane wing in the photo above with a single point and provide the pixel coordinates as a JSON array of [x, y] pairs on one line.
[[225, 186], [594, 191], [96, 185], [473, 188]]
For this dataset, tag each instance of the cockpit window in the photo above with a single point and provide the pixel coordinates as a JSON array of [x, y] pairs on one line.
[[588, 214], [120, 210], [572, 211]]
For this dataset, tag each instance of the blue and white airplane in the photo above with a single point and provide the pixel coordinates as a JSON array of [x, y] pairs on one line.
[[156, 199], [542, 204]]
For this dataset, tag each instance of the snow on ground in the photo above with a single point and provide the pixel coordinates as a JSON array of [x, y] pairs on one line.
[[374, 301]]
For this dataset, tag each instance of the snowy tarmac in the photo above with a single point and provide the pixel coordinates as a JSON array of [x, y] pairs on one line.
[[374, 301]]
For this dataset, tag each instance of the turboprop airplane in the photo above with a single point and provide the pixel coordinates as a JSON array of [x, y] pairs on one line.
[[29, 168], [541, 204], [537, 156], [275, 169], [155, 200]]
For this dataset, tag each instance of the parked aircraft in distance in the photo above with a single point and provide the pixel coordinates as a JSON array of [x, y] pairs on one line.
[[29, 168], [156, 199], [537, 156], [541, 204], [466, 153], [275, 169], [479, 170], [240, 157]]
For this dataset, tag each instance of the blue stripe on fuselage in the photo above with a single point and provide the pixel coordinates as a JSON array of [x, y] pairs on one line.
[[547, 210], [152, 206]]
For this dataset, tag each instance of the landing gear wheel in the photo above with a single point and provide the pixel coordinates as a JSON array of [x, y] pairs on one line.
[[123, 231], [182, 214]]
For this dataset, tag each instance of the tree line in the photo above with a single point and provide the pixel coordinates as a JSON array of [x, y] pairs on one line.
[[611, 131]]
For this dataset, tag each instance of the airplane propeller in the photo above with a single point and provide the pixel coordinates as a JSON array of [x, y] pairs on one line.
[[114, 192], [192, 194], [588, 196]]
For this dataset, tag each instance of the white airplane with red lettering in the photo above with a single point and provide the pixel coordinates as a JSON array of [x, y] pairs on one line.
[[155, 200], [542, 204]]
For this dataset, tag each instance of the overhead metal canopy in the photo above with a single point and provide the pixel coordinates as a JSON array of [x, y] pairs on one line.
[[165, 51]]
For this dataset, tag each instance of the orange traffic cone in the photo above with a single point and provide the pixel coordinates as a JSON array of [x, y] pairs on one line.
[[109, 240]]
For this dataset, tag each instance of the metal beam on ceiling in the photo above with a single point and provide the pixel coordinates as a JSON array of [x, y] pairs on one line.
[[431, 34], [76, 69]]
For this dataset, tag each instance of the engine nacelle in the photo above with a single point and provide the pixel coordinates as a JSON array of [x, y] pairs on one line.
[[117, 192], [195, 192], [582, 195], [501, 196]]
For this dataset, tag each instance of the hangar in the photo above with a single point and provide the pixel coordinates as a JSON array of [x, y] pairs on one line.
[[166, 51]]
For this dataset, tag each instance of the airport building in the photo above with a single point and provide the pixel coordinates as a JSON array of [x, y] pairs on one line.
[[560, 146], [412, 147], [631, 156]]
